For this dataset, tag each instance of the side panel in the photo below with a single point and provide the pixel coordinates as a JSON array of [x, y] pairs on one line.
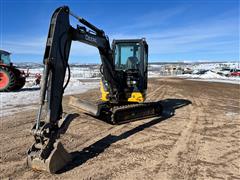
[[136, 97], [104, 92]]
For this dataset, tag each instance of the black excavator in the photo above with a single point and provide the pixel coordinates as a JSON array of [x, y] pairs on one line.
[[123, 86]]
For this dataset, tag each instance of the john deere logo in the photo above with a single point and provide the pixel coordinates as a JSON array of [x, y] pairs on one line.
[[89, 38]]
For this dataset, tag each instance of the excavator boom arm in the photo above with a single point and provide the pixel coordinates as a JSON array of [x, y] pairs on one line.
[[58, 46]]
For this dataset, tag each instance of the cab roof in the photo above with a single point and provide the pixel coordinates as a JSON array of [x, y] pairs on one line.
[[4, 52]]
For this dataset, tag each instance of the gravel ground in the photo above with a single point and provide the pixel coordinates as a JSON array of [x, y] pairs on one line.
[[196, 138]]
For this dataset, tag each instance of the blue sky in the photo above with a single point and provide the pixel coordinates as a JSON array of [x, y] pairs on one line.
[[184, 30]]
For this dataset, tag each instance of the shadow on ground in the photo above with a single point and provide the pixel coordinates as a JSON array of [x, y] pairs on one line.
[[80, 157], [29, 89]]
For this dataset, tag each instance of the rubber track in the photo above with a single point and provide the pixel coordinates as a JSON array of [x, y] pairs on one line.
[[126, 113]]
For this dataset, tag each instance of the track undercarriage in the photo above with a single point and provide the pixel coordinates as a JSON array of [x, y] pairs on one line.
[[117, 114]]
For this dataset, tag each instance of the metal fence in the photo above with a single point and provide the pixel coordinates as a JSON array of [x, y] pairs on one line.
[[170, 73]]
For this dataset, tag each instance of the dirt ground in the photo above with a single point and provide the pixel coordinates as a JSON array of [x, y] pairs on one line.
[[198, 137]]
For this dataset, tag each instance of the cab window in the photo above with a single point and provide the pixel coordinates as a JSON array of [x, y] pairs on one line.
[[127, 56], [5, 59]]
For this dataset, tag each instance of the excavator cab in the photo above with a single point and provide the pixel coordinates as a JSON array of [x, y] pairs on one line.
[[126, 55], [130, 58]]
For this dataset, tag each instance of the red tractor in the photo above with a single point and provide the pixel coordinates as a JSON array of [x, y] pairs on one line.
[[11, 78]]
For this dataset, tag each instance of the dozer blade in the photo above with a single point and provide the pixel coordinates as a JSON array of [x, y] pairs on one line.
[[57, 159], [84, 105]]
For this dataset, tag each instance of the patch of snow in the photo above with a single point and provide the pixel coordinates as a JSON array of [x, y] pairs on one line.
[[82, 79], [211, 66], [13, 102], [211, 77], [152, 74]]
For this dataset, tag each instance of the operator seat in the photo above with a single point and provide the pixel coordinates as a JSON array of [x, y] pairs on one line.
[[132, 62]]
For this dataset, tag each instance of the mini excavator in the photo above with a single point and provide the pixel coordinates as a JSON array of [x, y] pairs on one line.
[[123, 86]]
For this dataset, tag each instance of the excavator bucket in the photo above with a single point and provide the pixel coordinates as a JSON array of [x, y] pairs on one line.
[[57, 159]]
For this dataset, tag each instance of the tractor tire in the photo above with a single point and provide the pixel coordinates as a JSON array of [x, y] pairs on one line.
[[7, 79], [20, 82]]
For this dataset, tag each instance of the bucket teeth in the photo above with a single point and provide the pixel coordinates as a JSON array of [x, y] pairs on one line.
[[57, 159]]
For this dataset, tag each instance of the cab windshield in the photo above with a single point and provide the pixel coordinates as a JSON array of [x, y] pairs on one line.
[[127, 56], [5, 59]]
